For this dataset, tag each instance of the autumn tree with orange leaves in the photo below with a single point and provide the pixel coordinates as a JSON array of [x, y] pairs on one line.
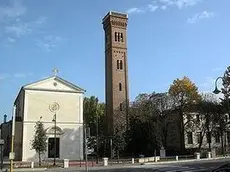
[[184, 94]]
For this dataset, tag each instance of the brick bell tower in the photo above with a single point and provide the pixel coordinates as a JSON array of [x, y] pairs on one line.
[[116, 71]]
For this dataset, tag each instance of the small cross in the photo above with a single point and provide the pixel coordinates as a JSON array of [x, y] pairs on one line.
[[55, 71]]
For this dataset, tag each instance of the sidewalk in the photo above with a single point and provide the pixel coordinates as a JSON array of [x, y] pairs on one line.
[[189, 160]]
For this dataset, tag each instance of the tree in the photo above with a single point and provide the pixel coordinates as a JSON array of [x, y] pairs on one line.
[[163, 103], [205, 118], [226, 90], [144, 131], [39, 141], [94, 116], [184, 94], [119, 142]]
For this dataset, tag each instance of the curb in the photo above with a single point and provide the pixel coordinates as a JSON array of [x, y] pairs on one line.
[[27, 169], [192, 160]]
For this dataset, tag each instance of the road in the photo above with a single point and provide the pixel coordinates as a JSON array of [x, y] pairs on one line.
[[198, 166]]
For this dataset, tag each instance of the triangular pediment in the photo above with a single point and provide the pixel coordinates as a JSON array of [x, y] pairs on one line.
[[54, 83]]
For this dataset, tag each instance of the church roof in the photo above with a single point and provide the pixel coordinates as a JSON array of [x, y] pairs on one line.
[[55, 78]]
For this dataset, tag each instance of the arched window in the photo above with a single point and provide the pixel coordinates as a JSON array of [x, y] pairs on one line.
[[121, 64], [116, 36], [120, 87]]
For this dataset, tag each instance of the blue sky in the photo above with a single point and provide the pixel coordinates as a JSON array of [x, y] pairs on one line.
[[167, 39]]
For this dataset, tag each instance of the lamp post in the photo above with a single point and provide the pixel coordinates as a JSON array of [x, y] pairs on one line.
[[55, 135], [217, 91], [54, 108]]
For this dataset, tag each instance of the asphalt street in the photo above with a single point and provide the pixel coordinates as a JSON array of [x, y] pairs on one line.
[[198, 166]]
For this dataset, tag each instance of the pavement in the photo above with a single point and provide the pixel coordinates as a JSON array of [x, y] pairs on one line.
[[189, 166]]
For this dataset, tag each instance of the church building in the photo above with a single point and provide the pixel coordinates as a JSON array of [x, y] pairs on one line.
[[55, 102]]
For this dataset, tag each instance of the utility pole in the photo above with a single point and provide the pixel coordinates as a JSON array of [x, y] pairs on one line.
[[12, 155], [55, 137]]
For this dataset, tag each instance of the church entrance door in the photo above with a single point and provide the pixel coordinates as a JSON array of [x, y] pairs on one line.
[[51, 146]]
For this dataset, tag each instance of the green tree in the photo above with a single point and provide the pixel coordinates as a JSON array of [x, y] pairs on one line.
[[184, 94], [226, 90], [163, 104], [94, 117], [39, 141], [144, 135], [206, 110], [119, 142]]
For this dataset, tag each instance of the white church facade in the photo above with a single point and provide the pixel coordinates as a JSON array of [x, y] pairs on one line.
[[43, 100]]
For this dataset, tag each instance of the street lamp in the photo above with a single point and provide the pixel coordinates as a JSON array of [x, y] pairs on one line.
[[54, 108], [217, 91], [55, 135]]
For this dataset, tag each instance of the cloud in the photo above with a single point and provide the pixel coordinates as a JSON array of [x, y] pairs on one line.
[[134, 10], [3, 76], [20, 75], [12, 10], [40, 20], [200, 16], [15, 75], [48, 42], [19, 29], [152, 7], [179, 3], [11, 40], [163, 5], [217, 69]]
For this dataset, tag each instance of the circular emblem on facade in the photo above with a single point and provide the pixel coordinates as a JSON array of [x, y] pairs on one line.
[[54, 107], [55, 84]]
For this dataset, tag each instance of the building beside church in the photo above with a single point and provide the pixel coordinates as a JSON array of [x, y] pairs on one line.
[[43, 100], [116, 71]]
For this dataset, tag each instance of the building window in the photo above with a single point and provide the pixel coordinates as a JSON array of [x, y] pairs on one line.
[[121, 107], [217, 137], [119, 37], [199, 137], [189, 135], [209, 140], [116, 36], [122, 40], [118, 64], [121, 64], [120, 87]]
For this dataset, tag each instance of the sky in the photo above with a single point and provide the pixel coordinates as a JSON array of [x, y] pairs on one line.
[[167, 39]]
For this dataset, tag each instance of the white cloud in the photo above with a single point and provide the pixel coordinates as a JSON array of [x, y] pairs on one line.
[[10, 39], [134, 10], [152, 7], [163, 5], [48, 42], [3, 76], [200, 16], [40, 20], [14, 9], [179, 3], [217, 69], [20, 75], [19, 29]]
